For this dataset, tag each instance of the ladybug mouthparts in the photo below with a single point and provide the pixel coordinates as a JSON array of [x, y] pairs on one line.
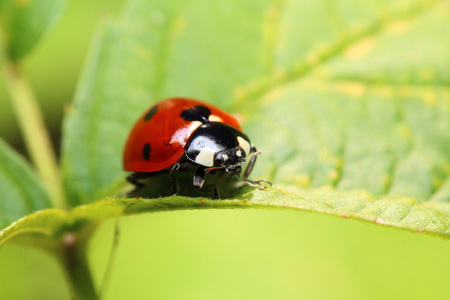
[[234, 170], [230, 160]]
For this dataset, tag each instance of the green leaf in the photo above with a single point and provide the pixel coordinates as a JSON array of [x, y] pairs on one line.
[[24, 22], [51, 224], [349, 102], [21, 191]]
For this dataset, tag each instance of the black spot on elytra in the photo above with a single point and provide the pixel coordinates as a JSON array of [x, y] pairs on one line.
[[150, 113], [197, 113], [146, 151]]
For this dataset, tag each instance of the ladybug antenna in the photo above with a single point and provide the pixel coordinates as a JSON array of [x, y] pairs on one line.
[[253, 154], [212, 169]]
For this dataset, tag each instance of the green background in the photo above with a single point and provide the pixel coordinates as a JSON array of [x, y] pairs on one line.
[[215, 254]]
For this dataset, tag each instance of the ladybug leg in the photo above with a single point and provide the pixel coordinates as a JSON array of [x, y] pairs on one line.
[[179, 166], [199, 180], [173, 178], [249, 169]]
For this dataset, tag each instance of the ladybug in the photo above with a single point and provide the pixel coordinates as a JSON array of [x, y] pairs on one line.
[[182, 134]]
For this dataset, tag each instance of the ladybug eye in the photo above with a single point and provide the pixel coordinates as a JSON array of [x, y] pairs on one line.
[[218, 161]]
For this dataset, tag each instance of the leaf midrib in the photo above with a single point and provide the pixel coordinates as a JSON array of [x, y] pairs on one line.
[[113, 208]]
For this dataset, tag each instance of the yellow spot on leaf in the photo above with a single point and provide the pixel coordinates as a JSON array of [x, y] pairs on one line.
[[333, 175], [399, 27], [360, 49], [180, 25], [429, 98], [355, 89], [405, 131], [385, 91], [404, 91], [302, 179], [312, 59], [272, 97]]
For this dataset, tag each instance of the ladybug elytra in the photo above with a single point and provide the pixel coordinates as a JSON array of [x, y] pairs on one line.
[[183, 134]]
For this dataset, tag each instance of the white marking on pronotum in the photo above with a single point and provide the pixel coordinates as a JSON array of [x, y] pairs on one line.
[[244, 145], [205, 157], [225, 157], [239, 153], [214, 118], [181, 134]]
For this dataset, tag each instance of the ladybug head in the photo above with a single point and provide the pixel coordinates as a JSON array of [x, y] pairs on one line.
[[219, 146], [230, 160]]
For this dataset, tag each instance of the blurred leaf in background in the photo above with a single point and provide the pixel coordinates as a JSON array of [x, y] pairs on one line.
[[25, 22], [61, 54], [22, 191]]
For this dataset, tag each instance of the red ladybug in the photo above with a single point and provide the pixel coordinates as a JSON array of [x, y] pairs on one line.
[[182, 134]]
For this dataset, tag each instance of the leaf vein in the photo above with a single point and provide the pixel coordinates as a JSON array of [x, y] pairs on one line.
[[306, 67], [272, 30]]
